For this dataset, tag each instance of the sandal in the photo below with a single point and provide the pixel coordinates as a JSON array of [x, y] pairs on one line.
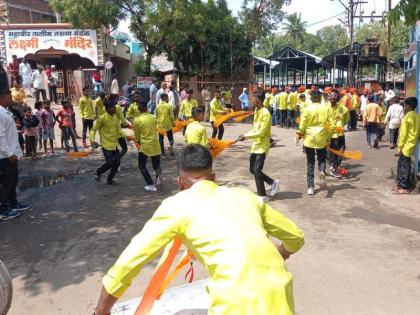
[[401, 192]]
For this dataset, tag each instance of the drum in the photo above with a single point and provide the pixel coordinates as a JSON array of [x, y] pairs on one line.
[[6, 290]]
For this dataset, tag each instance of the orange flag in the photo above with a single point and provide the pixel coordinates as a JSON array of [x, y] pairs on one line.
[[79, 154], [179, 124], [222, 118], [132, 139], [243, 117], [217, 146], [353, 155]]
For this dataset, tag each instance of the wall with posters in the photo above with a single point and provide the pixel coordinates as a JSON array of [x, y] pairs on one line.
[[21, 42]]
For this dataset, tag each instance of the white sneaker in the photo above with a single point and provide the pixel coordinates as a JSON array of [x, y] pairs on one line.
[[323, 181], [266, 199], [150, 188], [311, 191], [275, 187]]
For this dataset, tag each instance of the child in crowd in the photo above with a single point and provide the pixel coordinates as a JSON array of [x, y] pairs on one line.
[[30, 130], [65, 121], [48, 123], [37, 112], [196, 132], [145, 132], [409, 138], [87, 112], [165, 120], [217, 108]]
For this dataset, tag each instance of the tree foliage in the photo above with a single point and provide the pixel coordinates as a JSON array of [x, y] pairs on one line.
[[294, 27], [407, 9], [260, 17], [332, 39], [399, 36]]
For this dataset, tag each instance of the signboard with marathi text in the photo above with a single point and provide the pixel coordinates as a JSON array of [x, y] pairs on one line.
[[28, 41]]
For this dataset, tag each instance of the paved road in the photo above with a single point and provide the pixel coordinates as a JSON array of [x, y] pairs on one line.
[[362, 247]]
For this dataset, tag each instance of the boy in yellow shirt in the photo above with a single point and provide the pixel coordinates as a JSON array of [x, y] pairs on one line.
[[165, 120], [196, 133], [247, 270], [109, 130], [145, 132], [313, 128], [291, 109], [87, 112], [260, 134], [409, 138], [133, 110], [217, 108], [187, 105], [99, 104]]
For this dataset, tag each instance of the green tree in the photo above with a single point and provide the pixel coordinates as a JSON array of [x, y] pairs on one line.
[[295, 27], [399, 36], [331, 39], [260, 17], [407, 9]]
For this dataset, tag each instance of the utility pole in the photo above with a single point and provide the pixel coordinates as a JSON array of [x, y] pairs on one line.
[[388, 51], [350, 79]]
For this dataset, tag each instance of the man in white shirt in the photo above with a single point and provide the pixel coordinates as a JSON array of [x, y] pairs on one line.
[[388, 95], [25, 71], [206, 94], [115, 88], [394, 116], [163, 87], [38, 83], [10, 153]]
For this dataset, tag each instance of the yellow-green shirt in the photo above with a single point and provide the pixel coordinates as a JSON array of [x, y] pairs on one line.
[[383, 113], [339, 116], [121, 119], [292, 101], [269, 100], [409, 133], [282, 100], [313, 124], [355, 101], [186, 107], [165, 116], [109, 131], [196, 133], [228, 96], [133, 111], [303, 105], [261, 132], [216, 108], [18, 95], [87, 111], [99, 107], [228, 230], [145, 132]]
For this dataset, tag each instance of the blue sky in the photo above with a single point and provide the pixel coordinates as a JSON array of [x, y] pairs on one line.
[[313, 11]]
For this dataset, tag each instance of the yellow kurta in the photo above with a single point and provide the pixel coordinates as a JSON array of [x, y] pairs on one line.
[[186, 107], [339, 116], [292, 101], [282, 100], [87, 111], [165, 116], [216, 108], [121, 119], [99, 107], [269, 100], [109, 131], [228, 230], [133, 111], [261, 132], [409, 133], [18, 95], [196, 133], [313, 124], [145, 132]]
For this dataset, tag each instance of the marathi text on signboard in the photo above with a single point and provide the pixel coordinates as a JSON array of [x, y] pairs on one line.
[[29, 41], [144, 82]]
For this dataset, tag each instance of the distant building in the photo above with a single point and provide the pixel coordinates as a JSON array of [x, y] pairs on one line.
[[26, 11]]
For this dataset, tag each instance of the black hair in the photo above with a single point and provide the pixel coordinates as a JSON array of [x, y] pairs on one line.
[[371, 97], [109, 103], [101, 93], [28, 108], [38, 105], [194, 157], [335, 91], [142, 105], [302, 95], [85, 89], [411, 101], [260, 95], [316, 94], [190, 91], [163, 95], [197, 111]]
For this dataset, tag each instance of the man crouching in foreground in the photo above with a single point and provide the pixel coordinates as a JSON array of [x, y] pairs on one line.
[[228, 231]]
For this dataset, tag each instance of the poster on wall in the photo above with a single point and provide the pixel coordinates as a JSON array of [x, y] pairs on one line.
[[21, 42], [144, 82]]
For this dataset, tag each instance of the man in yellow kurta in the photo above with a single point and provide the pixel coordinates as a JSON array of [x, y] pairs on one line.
[[145, 132], [247, 272], [339, 115], [217, 108], [133, 110], [165, 120], [109, 131], [291, 109], [409, 138], [99, 104], [87, 112], [314, 129], [187, 105], [282, 104], [196, 133], [260, 135]]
